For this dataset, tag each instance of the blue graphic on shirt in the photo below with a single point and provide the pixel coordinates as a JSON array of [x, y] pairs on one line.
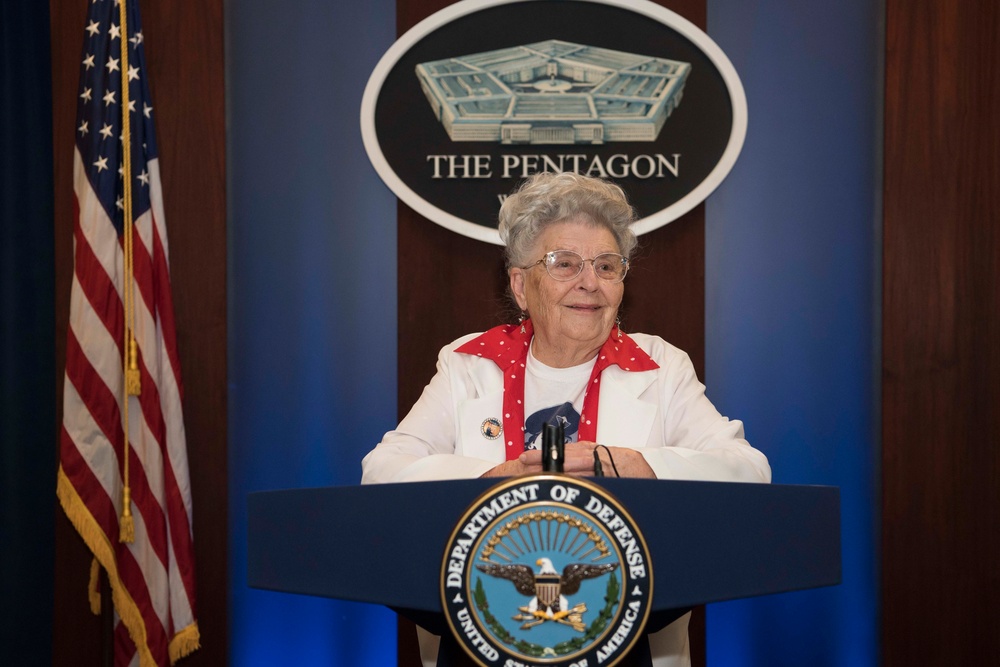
[[535, 424]]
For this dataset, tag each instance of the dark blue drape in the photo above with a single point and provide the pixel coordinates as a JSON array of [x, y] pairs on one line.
[[27, 324]]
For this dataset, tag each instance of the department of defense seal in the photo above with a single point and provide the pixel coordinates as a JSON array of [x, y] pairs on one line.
[[546, 570]]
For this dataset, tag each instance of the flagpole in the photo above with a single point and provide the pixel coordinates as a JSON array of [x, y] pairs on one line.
[[130, 361]]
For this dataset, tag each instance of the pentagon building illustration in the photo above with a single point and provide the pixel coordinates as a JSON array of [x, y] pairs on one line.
[[553, 92]]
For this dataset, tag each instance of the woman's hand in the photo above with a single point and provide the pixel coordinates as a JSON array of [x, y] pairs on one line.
[[527, 462], [579, 461], [629, 462]]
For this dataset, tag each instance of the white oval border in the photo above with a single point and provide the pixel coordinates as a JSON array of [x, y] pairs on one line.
[[660, 14]]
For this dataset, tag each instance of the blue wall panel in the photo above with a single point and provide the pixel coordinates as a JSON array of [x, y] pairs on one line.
[[791, 315], [312, 286]]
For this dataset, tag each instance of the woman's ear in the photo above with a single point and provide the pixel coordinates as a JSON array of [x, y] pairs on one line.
[[517, 287]]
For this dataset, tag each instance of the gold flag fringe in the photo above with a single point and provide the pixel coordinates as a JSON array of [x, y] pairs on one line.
[[183, 642]]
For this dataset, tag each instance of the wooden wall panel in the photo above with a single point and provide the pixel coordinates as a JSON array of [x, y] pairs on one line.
[[941, 335], [184, 49], [451, 285]]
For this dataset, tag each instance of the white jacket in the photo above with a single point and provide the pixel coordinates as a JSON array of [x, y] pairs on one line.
[[663, 413]]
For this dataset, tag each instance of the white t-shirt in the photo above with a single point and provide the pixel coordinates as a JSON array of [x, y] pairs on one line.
[[553, 393]]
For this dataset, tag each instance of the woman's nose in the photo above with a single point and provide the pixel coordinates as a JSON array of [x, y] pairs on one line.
[[588, 276]]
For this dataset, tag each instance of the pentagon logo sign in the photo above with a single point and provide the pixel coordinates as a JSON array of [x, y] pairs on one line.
[[484, 93], [553, 92], [546, 570]]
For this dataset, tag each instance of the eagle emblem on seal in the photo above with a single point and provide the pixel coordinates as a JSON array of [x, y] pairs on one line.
[[548, 589]]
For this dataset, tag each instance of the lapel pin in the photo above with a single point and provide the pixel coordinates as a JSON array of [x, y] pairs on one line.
[[492, 428]]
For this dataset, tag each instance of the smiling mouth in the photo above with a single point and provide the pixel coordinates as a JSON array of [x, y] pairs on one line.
[[584, 308]]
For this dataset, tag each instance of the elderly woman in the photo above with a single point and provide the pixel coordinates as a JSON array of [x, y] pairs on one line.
[[633, 397], [568, 243]]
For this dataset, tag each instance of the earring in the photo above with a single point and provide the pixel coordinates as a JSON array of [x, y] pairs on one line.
[[618, 323], [520, 320]]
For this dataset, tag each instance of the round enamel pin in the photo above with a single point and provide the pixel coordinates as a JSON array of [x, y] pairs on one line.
[[492, 428]]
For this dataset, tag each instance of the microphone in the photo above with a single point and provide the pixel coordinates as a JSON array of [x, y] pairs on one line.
[[598, 466], [553, 446]]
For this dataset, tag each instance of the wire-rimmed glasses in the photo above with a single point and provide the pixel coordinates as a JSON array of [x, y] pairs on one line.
[[566, 265]]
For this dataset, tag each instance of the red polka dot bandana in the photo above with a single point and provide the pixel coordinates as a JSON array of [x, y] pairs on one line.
[[507, 347]]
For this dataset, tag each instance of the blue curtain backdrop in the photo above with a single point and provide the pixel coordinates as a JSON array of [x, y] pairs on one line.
[[27, 336], [791, 326]]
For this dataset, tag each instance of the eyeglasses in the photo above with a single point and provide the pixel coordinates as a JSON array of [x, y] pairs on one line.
[[565, 265]]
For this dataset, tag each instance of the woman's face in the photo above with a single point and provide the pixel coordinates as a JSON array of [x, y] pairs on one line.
[[575, 314]]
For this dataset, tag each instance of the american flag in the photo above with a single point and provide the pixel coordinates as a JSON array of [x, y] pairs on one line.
[[152, 578]]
